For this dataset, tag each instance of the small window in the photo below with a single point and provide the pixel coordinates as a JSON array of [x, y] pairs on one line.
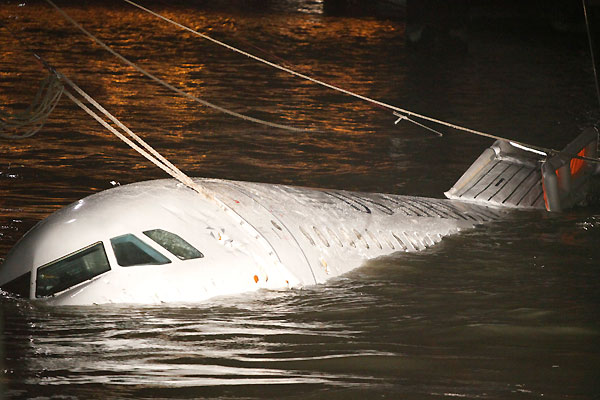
[[373, 238], [320, 235], [334, 237], [129, 251], [308, 237], [400, 242], [174, 244], [71, 270], [361, 238]]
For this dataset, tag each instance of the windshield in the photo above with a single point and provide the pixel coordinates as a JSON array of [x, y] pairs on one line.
[[68, 271], [174, 244], [129, 251]]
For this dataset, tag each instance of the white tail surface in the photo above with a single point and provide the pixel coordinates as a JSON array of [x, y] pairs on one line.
[[507, 176]]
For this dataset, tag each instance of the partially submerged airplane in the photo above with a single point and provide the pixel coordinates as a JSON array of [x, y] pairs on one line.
[[186, 240], [159, 241]]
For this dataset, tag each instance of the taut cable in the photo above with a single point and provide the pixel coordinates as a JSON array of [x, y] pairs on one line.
[[399, 110], [166, 84]]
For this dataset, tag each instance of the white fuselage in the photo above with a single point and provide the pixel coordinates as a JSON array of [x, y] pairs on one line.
[[255, 236]]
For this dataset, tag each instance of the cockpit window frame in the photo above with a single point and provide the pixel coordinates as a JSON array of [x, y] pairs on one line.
[[73, 256], [146, 246], [174, 244]]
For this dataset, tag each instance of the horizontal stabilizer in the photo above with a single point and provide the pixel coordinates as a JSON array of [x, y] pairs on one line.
[[505, 175]]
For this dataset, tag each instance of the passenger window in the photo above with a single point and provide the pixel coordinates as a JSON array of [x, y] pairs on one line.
[[174, 244], [71, 270], [129, 251]]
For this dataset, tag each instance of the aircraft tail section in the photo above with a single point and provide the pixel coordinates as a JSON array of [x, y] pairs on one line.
[[506, 175], [566, 180]]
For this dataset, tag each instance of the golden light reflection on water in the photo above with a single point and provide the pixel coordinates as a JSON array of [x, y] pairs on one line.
[[466, 297], [172, 62], [344, 135]]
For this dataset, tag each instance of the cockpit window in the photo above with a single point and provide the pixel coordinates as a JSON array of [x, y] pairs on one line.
[[68, 271], [129, 250], [174, 244]]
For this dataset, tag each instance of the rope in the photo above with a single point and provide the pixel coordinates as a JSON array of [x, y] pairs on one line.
[[29, 122], [143, 148], [156, 158], [327, 85], [153, 156], [404, 117], [166, 84], [403, 114], [138, 144], [400, 112]]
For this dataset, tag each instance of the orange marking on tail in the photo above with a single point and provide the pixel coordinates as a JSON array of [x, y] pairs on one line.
[[576, 163]]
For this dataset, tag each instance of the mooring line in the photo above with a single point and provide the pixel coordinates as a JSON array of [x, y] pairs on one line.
[[157, 159], [402, 117], [28, 122], [166, 84], [138, 144], [341, 90], [403, 114], [163, 163]]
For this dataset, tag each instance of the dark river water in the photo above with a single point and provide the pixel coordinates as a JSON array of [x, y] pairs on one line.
[[509, 310]]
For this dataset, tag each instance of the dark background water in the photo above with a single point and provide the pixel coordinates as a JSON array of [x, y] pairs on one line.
[[508, 310]]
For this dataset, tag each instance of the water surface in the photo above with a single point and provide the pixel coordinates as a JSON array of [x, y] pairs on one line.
[[508, 310]]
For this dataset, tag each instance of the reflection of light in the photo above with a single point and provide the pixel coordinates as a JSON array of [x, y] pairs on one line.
[[71, 221], [226, 345], [78, 205], [312, 7], [182, 127]]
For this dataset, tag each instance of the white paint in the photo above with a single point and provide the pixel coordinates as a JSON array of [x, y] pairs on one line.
[[287, 237]]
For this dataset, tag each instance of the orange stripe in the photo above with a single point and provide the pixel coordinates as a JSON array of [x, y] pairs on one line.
[[545, 197], [577, 163]]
